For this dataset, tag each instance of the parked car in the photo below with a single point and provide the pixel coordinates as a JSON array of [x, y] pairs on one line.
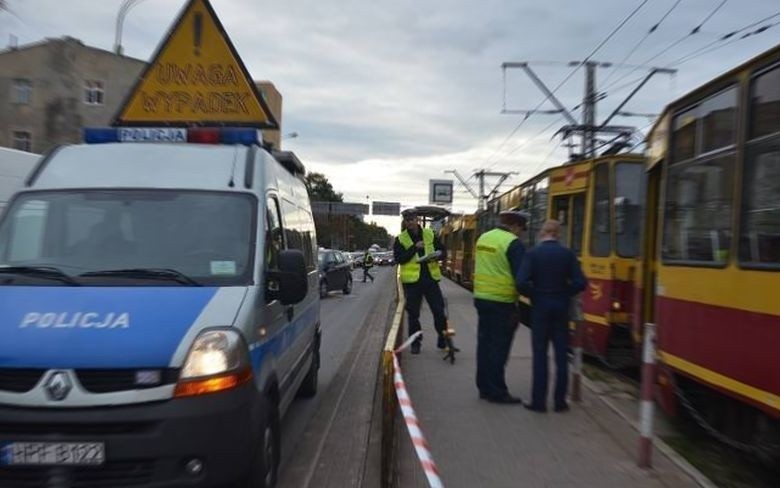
[[335, 272]]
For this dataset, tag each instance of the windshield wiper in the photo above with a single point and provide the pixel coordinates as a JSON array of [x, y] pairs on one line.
[[146, 273], [47, 272]]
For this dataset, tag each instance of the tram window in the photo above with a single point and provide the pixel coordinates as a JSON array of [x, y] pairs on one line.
[[600, 227], [760, 234], [628, 208], [765, 104], [697, 213], [685, 135], [561, 214], [718, 120], [577, 223], [538, 209]]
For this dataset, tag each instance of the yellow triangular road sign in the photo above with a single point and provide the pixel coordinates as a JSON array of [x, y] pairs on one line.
[[196, 78]]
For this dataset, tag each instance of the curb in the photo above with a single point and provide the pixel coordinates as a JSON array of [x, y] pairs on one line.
[[696, 475]]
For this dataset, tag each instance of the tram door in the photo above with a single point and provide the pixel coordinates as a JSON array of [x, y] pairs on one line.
[[569, 210], [650, 245]]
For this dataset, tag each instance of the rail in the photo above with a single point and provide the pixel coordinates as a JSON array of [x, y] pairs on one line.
[[389, 399]]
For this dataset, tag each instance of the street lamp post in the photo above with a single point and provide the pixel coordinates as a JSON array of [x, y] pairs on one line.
[[124, 9]]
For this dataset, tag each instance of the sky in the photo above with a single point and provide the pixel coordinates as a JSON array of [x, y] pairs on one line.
[[385, 96]]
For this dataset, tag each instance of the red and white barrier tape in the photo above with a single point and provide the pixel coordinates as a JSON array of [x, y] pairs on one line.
[[418, 440]]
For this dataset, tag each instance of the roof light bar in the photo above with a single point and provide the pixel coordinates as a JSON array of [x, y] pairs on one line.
[[195, 135]]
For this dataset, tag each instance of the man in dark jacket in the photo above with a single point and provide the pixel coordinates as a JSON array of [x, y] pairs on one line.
[[417, 252], [551, 276]]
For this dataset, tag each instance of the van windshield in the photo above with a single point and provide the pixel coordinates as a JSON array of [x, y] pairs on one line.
[[129, 238]]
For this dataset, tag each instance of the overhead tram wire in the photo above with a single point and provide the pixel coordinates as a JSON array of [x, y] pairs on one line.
[[570, 75], [567, 78], [731, 37], [674, 44], [527, 141], [708, 48], [650, 31], [713, 47]]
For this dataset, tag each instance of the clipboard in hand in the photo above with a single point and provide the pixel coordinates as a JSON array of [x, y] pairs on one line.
[[429, 257]]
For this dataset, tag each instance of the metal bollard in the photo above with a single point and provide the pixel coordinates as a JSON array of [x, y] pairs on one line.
[[646, 404], [576, 370]]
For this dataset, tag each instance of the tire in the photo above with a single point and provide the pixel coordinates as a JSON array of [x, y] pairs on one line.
[[323, 289], [264, 471], [348, 287], [308, 388]]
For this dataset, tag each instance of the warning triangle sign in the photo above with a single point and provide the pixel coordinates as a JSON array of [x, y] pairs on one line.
[[196, 78]]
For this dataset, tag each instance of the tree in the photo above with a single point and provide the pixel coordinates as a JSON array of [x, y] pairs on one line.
[[320, 189]]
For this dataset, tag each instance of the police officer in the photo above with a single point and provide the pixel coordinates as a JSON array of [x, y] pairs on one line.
[[499, 254], [420, 277], [551, 275], [368, 263]]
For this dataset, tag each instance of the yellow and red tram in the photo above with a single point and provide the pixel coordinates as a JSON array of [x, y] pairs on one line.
[[686, 236], [712, 280]]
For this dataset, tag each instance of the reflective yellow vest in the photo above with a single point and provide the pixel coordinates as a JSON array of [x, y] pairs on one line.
[[410, 272], [493, 278]]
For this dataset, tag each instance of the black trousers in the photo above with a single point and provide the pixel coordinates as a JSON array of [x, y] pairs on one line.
[[550, 323], [414, 293], [496, 331], [366, 274]]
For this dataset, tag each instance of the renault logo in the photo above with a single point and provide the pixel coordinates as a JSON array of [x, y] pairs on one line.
[[58, 386]]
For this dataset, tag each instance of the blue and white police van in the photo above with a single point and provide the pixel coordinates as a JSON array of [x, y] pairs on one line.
[[160, 311]]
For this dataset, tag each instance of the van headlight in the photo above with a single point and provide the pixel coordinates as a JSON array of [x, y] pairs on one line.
[[217, 361]]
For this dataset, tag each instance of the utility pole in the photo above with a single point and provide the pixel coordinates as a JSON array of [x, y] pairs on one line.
[[482, 196], [588, 129], [589, 110]]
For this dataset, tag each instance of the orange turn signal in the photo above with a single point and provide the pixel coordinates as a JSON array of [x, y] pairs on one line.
[[212, 385]]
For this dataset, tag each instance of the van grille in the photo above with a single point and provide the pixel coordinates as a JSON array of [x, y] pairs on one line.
[[111, 380], [117, 474], [19, 380]]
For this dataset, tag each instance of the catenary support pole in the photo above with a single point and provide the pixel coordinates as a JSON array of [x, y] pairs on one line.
[[646, 404]]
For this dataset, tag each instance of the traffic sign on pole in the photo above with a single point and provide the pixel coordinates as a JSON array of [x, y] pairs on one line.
[[196, 78]]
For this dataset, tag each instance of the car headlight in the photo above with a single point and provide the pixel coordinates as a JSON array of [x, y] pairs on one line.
[[216, 361]]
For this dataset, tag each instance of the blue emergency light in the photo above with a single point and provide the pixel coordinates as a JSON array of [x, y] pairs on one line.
[[196, 135]]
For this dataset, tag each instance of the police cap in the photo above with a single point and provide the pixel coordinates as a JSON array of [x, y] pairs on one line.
[[520, 217]]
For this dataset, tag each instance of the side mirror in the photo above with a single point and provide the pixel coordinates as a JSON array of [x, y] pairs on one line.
[[289, 283]]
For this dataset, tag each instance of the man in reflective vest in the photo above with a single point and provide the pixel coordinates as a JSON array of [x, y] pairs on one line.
[[368, 263], [551, 275], [498, 256], [418, 251]]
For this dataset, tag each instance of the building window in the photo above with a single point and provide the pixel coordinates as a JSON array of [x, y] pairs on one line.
[[22, 92], [22, 141], [93, 92]]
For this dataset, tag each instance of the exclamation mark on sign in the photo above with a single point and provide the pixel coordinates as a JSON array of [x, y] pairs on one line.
[[198, 31]]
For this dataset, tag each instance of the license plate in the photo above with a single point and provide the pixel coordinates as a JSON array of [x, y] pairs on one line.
[[52, 453]]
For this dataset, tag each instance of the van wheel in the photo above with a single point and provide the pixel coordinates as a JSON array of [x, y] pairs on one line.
[[348, 287], [323, 289], [309, 386], [265, 464]]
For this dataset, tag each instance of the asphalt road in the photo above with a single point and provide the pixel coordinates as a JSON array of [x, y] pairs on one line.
[[341, 317]]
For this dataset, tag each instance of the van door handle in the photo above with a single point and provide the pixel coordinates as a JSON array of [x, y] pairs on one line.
[[290, 312]]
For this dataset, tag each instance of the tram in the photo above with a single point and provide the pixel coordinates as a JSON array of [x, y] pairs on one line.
[[711, 278]]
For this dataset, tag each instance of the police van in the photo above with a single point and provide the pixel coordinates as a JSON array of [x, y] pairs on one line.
[[160, 311]]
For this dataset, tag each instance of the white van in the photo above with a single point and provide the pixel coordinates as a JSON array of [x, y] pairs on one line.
[[160, 311], [14, 168]]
